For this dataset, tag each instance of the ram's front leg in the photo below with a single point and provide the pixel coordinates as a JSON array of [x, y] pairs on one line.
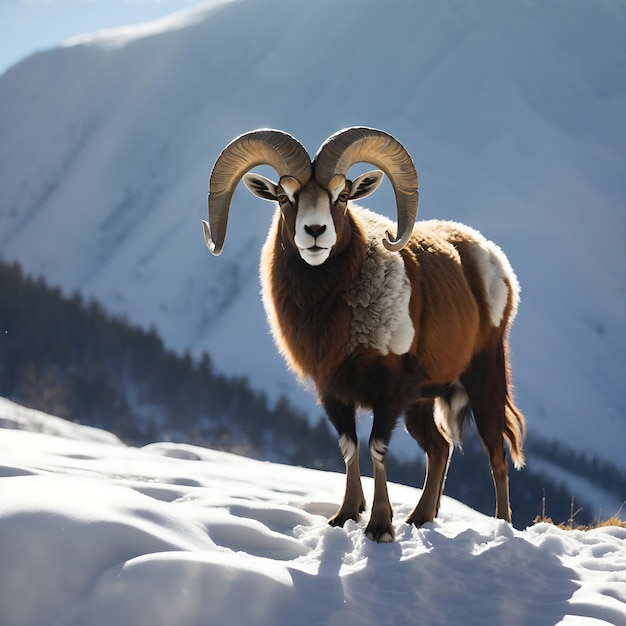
[[380, 527], [343, 418], [354, 500]]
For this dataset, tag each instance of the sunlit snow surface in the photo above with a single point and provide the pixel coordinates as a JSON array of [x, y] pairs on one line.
[[97, 533]]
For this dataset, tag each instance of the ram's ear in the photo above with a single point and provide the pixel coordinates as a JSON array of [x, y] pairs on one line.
[[365, 184], [260, 186]]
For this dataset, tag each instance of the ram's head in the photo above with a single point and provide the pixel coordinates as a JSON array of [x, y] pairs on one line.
[[313, 196]]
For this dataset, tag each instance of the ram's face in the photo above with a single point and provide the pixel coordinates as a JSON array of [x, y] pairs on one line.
[[317, 217], [315, 220]]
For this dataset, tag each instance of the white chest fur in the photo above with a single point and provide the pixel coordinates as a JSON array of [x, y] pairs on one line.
[[379, 296]]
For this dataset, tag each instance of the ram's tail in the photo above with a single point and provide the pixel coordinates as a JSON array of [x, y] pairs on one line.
[[514, 422]]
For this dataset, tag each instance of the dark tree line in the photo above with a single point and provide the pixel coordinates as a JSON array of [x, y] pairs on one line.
[[71, 358], [587, 466]]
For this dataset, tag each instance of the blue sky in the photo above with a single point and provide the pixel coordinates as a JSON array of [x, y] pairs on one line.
[[28, 26]]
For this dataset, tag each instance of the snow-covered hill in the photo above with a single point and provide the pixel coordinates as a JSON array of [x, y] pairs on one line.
[[95, 533], [513, 111]]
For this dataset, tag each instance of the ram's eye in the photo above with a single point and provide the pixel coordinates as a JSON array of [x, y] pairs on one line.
[[282, 198], [343, 196]]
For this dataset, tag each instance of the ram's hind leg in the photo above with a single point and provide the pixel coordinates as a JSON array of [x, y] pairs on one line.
[[343, 419], [486, 386], [421, 426]]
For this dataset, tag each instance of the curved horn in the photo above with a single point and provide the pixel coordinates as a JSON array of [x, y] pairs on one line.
[[368, 145], [258, 147]]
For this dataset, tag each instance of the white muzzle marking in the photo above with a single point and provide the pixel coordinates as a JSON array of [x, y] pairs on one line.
[[315, 233]]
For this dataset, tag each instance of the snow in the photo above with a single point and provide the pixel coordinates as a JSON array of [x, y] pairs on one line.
[[122, 36], [96, 533]]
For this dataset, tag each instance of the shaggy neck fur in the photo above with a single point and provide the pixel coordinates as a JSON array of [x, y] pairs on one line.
[[319, 286], [313, 329], [369, 284], [379, 295]]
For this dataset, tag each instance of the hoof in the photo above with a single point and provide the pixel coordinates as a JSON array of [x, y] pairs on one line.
[[341, 517], [380, 532], [421, 516], [419, 520], [338, 520]]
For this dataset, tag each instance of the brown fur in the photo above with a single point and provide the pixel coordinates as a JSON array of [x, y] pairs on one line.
[[454, 341]]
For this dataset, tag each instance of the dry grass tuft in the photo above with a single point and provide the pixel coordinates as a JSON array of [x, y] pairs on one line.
[[614, 520]]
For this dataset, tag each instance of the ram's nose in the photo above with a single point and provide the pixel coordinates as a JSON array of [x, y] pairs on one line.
[[315, 230]]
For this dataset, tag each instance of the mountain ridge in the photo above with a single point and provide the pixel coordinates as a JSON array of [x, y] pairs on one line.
[[511, 112]]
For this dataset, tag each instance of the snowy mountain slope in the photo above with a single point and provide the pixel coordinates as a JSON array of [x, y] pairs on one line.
[[96, 533], [513, 112]]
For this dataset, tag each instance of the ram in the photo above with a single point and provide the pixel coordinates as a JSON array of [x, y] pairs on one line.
[[415, 325]]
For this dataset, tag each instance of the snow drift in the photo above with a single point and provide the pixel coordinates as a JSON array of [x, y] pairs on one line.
[[96, 533]]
